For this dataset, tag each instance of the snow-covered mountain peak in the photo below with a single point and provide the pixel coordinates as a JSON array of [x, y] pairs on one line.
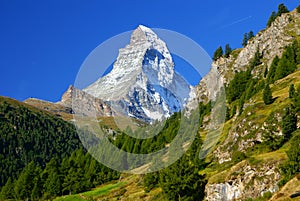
[[143, 82], [142, 34]]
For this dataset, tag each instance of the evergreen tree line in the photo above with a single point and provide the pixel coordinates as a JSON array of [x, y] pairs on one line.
[[285, 65], [181, 180], [28, 134], [130, 144], [78, 173], [228, 50], [243, 86], [219, 52], [280, 68]]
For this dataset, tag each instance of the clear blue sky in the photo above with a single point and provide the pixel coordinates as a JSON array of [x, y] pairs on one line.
[[43, 43]]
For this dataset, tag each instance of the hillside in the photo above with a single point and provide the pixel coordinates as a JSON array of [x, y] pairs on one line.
[[29, 134], [42, 156]]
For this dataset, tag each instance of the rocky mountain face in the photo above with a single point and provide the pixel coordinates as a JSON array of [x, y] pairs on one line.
[[85, 104], [270, 42], [143, 83], [245, 181], [244, 131], [74, 101]]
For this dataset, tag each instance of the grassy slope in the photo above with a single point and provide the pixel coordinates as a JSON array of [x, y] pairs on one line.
[[128, 188]]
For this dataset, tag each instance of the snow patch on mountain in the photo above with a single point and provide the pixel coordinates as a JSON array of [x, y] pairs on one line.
[[143, 83]]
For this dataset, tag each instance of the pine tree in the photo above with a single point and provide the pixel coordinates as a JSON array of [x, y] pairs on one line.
[[250, 35], [91, 172], [296, 100], [266, 72], [52, 185], [292, 91], [289, 122], [298, 9], [273, 68], [7, 191], [71, 180], [218, 53], [25, 183], [286, 64], [247, 37], [228, 50], [37, 190], [181, 181], [245, 40], [296, 47], [292, 166], [282, 9], [271, 18], [267, 95], [255, 61], [250, 89], [74, 180]]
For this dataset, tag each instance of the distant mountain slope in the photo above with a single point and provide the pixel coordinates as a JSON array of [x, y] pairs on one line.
[[30, 134], [57, 109]]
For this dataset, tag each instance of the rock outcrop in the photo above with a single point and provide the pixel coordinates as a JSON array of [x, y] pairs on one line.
[[85, 104], [245, 181]]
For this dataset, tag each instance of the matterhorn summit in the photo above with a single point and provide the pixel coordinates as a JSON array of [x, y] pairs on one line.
[[143, 83]]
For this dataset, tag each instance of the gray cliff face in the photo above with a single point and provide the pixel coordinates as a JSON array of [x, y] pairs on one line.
[[245, 181], [84, 104]]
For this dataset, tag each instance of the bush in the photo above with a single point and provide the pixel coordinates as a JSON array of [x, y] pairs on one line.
[[238, 156]]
